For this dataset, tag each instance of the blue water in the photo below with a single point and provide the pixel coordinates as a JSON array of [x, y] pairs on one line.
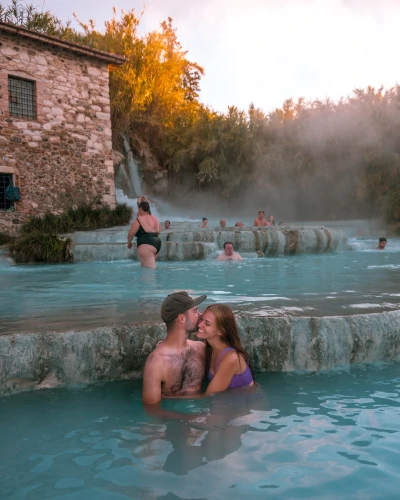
[[59, 297], [324, 436]]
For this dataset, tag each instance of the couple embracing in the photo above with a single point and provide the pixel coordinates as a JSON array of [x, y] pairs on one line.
[[177, 366]]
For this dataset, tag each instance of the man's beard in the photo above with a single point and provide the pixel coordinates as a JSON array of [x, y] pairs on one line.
[[191, 327]]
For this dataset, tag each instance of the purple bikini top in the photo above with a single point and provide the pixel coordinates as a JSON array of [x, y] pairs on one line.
[[241, 380]]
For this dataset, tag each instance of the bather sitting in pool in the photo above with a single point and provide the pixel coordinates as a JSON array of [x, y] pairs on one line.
[[146, 228], [228, 253], [381, 244], [176, 366], [227, 363]]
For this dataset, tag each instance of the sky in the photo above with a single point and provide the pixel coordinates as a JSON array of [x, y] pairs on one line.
[[265, 51]]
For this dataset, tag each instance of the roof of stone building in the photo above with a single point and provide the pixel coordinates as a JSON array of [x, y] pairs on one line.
[[71, 47]]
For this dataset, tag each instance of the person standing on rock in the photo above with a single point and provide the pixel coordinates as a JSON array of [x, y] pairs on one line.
[[146, 228], [228, 253]]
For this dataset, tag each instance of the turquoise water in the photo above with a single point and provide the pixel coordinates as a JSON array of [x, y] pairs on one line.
[[324, 436], [59, 297]]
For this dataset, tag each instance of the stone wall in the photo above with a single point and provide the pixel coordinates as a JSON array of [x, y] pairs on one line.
[[65, 154], [40, 360]]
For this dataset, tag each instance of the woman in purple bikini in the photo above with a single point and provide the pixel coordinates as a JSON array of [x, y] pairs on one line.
[[227, 363]]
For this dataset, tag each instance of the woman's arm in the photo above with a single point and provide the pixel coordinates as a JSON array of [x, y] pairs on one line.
[[230, 363], [132, 231]]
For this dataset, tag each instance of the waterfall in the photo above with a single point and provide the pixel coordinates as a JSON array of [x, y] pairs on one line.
[[123, 198], [123, 182], [133, 168]]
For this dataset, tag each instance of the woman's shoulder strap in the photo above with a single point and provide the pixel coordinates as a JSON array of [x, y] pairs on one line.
[[222, 355]]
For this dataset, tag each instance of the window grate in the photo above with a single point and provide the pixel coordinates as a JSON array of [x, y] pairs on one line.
[[21, 97], [5, 180]]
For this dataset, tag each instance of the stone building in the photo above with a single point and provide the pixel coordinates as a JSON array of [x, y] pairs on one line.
[[55, 126]]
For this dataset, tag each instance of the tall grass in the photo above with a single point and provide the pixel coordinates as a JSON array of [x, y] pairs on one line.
[[39, 240], [41, 247], [5, 238], [84, 217]]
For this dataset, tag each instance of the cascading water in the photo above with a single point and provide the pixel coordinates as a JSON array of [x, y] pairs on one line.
[[157, 206], [133, 168], [123, 198], [123, 182]]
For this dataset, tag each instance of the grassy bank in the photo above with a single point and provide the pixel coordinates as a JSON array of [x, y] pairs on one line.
[[41, 238]]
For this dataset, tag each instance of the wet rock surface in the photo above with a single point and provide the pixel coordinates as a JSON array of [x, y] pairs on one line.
[[41, 360], [185, 243]]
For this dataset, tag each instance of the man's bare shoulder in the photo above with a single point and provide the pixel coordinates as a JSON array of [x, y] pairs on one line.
[[197, 344], [154, 356], [163, 349]]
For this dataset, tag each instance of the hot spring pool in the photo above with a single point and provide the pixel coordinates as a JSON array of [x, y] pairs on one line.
[[325, 436], [59, 297]]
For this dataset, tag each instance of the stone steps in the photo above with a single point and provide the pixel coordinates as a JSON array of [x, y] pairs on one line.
[[196, 244]]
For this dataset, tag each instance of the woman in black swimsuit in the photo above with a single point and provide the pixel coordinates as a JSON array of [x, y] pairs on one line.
[[146, 228]]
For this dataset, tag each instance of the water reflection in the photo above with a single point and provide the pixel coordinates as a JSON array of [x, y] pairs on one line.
[[211, 434], [302, 436]]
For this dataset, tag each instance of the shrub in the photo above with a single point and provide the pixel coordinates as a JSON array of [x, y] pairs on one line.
[[38, 240], [84, 217], [6, 238], [39, 246], [121, 215]]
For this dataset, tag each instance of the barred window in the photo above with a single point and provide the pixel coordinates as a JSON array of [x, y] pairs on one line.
[[5, 180], [21, 97]]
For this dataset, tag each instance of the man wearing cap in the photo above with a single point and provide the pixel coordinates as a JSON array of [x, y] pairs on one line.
[[176, 366]]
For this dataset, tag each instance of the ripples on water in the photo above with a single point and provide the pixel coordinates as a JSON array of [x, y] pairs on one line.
[[326, 436], [37, 298]]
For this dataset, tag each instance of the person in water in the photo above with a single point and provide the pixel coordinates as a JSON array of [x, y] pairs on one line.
[[271, 220], [176, 366], [204, 222], [260, 220], [228, 253], [227, 363], [146, 228], [381, 244], [142, 198], [167, 224]]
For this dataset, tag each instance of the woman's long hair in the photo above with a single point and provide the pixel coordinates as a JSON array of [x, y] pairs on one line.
[[226, 323]]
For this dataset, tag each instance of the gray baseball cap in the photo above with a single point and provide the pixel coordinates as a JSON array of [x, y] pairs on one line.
[[177, 303]]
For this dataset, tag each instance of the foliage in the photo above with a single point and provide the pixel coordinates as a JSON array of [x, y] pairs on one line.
[[39, 240], [29, 17], [84, 217], [314, 159], [38, 246], [5, 238]]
